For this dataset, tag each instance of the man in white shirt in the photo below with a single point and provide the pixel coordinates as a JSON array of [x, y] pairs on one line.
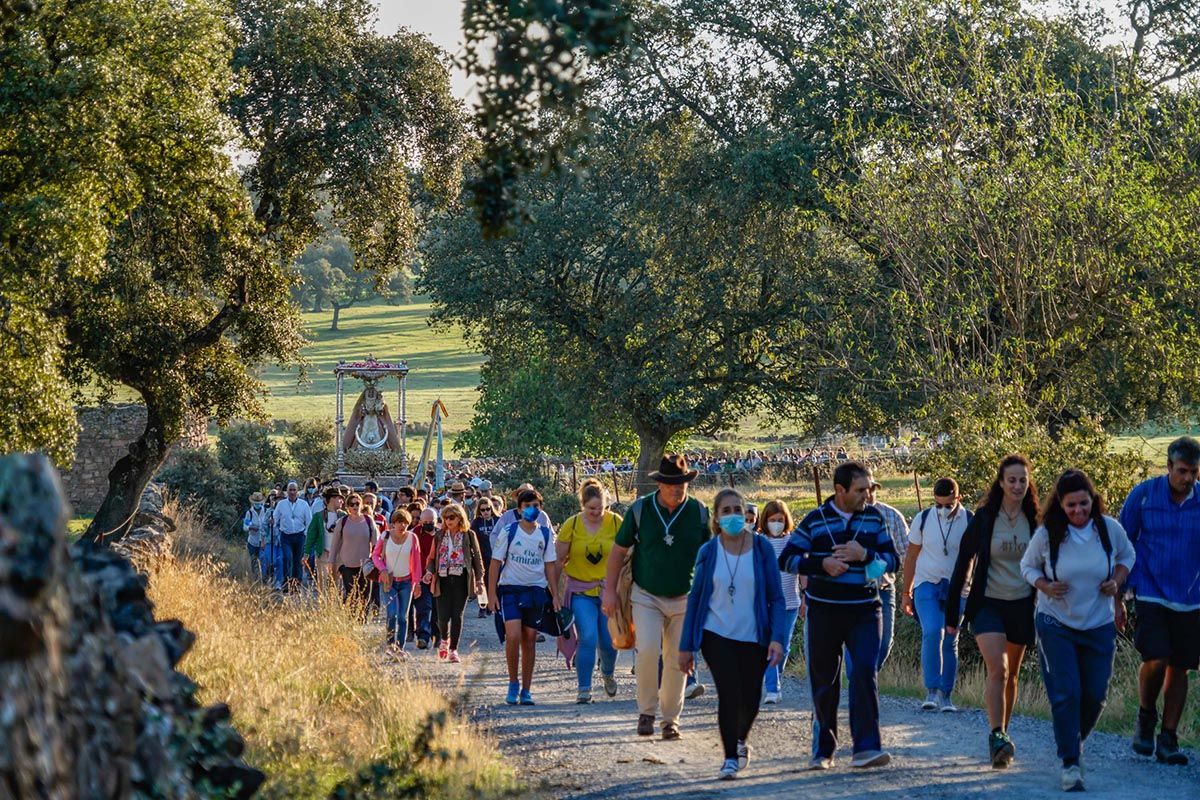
[[934, 542], [291, 518]]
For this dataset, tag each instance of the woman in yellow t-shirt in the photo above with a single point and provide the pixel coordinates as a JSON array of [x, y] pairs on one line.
[[584, 542]]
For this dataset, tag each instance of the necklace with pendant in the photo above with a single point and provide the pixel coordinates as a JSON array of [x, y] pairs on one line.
[[668, 538], [1012, 523], [737, 562]]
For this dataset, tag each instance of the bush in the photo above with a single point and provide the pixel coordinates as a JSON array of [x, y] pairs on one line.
[[973, 450], [254, 461], [197, 478], [559, 505], [310, 443]]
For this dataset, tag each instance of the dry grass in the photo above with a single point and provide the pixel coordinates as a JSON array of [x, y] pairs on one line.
[[315, 704]]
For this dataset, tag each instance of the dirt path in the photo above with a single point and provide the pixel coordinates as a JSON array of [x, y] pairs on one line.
[[593, 751]]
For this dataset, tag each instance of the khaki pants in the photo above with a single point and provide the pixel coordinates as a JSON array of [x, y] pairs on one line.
[[659, 625]]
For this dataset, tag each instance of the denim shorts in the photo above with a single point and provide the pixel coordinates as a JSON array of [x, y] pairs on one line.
[[1013, 618], [526, 603]]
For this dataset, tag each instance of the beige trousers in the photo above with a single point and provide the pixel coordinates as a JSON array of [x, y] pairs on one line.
[[658, 623]]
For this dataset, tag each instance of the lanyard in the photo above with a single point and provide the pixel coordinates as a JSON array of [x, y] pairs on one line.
[[945, 532], [668, 539], [853, 533]]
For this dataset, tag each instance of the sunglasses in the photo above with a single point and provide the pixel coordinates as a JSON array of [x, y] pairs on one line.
[[352, 505]]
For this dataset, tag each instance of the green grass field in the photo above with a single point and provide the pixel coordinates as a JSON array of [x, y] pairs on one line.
[[440, 362], [443, 366]]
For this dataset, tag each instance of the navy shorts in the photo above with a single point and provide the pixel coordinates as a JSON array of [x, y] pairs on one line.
[[526, 603], [1013, 618], [1163, 633]]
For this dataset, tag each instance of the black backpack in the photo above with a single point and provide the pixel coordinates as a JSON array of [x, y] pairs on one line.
[[1105, 542]]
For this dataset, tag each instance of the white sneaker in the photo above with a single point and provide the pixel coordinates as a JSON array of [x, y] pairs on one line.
[[870, 758], [729, 770], [695, 690], [743, 751], [771, 698], [947, 706], [1072, 779], [931, 701], [820, 763]]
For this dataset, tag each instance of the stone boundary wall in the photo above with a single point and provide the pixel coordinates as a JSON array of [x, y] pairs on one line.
[[105, 433]]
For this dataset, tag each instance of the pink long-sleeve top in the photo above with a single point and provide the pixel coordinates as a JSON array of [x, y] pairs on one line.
[[415, 561]]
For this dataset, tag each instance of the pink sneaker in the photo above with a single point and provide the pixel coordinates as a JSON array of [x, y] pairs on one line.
[[454, 659], [443, 654]]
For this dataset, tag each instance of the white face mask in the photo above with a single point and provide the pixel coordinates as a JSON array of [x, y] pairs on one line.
[[775, 527], [946, 513]]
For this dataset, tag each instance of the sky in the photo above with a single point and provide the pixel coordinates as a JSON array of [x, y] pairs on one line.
[[441, 21]]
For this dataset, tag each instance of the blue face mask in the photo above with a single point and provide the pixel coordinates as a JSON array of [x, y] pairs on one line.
[[733, 524], [258, 506], [875, 570], [530, 513]]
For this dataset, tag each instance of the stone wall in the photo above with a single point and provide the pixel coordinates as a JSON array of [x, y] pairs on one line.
[[105, 433], [93, 706]]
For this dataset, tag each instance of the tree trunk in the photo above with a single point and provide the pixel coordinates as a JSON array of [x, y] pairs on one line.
[[337, 310], [128, 479], [652, 443]]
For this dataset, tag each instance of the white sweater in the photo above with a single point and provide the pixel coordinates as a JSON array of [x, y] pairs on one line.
[[1083, 565]]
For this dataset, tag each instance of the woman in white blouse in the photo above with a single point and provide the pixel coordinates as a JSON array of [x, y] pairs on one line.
[[1078, 561]]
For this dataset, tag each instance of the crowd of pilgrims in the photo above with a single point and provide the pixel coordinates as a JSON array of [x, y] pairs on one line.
[[676, 581]]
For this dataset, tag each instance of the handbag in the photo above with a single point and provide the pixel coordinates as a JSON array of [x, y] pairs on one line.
[[368, 569]]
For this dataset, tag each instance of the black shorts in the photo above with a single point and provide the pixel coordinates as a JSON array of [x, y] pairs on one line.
[[1013, 618], [1165, 634]]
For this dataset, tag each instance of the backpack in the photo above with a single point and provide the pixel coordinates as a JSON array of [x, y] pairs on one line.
[[512, 534], [1105, 542], [635, 511]]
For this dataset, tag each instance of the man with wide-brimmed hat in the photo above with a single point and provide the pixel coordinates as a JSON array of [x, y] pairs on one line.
[[256, 524], [667, 528]]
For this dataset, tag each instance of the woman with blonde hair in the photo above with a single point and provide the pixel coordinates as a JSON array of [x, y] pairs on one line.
[[453, 568], [584, 542], [736, 616], [775, 523]]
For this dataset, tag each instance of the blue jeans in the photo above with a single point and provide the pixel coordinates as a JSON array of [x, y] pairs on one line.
[[939, 650], [592, 628], [774, 674], [887, 600], [292, 545], [1076, 666], [398, 599], [423, 615]]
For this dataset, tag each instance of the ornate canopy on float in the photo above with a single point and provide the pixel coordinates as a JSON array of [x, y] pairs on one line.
[[370, 428]]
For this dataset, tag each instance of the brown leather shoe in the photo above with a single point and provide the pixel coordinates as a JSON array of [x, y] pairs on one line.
[[671, 732], [645, 724]]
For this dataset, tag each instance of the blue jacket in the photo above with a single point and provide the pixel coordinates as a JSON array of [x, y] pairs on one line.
[[770, 608]]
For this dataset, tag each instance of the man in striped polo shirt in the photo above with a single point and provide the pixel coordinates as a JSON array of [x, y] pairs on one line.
[[1162, 518], [844, 548]]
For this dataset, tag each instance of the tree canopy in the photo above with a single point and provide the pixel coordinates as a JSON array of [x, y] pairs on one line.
[[973, 208], [656, 293], [141, 255]]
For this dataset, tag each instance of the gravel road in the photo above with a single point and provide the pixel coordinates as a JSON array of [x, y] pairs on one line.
[[571, 751]]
